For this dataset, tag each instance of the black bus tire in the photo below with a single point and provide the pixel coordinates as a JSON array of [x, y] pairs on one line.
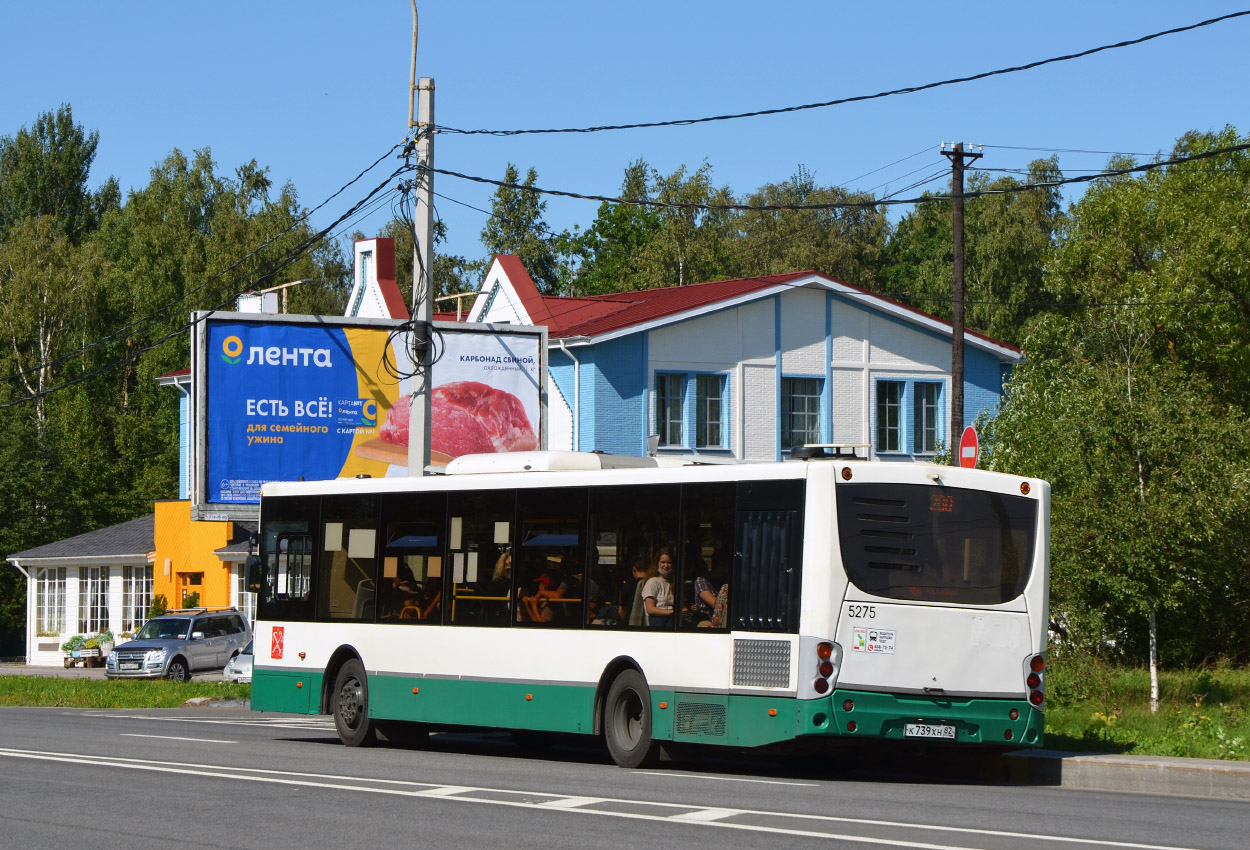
[[350, 705], [627, 722]]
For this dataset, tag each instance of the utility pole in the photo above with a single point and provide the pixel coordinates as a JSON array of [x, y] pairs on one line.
[[957, 154], [422, 263]]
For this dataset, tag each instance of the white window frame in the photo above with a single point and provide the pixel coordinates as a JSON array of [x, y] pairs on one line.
[[670, 408], [93, 599], [136, 596], [50, 600]]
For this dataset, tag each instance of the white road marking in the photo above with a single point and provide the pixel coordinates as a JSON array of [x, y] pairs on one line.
[[706, 815], [671, 775], [175, 738], [465, 794], [570, 802]]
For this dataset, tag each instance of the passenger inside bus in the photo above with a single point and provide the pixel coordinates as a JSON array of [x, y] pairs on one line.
[[642, 573], [657, 592]]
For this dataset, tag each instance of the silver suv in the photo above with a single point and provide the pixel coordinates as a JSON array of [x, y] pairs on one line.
[[179, 643]]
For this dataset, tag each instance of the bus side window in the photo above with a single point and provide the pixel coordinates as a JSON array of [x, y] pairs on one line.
[[627, 524], [410, 588], [707, 554], [478, 565], [287, 558], [550, 567], [346, 575]]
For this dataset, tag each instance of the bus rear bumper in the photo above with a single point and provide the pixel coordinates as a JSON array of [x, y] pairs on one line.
[[867, 714]]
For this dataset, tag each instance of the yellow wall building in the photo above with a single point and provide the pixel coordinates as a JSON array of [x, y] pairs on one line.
[[199, 557]]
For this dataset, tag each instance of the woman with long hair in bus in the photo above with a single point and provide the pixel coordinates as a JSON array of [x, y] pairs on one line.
[[657, 593]]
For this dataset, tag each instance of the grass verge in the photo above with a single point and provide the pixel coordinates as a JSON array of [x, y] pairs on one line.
[[120, 693], [1093, 706]]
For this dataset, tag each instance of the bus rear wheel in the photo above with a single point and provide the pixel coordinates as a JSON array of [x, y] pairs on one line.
[[627, 722], [350, 705]]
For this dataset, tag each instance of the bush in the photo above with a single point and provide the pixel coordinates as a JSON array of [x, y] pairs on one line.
[[76, 642], [191, 600], [159, 606]]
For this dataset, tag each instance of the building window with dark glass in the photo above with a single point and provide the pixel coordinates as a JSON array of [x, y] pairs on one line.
[[710, 394], [800, 412], [670, 401], [925, 423], [889, 416]]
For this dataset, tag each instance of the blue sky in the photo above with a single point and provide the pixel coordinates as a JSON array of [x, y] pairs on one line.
[[318, 90]]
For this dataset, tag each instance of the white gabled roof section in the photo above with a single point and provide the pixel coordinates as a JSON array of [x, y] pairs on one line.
[[375, 294], [497, 301]]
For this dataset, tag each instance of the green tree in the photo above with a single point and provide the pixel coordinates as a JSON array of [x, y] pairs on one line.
[[847, 243], [1134, 407], [1009, 238], [516, 226], [44, 171], [610, 253]]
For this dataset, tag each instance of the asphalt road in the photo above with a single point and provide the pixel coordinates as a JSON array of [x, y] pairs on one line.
[[237, 778]]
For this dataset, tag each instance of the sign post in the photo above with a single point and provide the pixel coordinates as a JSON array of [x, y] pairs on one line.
[[969, 448]]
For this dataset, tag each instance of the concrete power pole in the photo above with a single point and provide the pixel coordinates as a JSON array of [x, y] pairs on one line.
[[957, 155], [422, 265]]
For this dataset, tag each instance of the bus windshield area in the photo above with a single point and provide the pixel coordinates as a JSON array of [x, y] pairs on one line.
[[936, 544]]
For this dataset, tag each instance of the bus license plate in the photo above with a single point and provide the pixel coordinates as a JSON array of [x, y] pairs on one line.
[[928, 730]]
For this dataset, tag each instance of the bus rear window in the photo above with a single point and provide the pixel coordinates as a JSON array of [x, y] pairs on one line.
[[936, 544]]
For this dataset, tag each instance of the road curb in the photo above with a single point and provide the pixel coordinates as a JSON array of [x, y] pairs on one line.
[[1227, 780]]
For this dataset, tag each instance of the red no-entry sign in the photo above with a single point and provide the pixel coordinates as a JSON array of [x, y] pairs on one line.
[[969, 448]]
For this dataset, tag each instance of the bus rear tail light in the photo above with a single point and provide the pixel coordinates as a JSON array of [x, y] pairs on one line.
[[1035, 680], [849, 705], [825, 669]]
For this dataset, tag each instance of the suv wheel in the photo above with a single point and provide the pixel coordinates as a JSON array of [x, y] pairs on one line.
[[178, 670]]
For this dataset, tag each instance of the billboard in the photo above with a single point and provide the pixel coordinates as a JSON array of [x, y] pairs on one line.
[[279, 398]]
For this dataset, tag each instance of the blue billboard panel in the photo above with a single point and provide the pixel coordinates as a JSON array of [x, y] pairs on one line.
[[287, 401]]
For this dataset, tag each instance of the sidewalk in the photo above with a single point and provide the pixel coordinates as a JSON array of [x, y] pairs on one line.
[[1228, 780], [9, 668]]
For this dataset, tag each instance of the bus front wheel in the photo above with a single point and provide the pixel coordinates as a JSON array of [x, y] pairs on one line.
[[627, 722], [351, 705]]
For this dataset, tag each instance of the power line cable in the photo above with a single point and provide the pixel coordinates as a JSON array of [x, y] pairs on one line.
[[681, 122], [682, 205]]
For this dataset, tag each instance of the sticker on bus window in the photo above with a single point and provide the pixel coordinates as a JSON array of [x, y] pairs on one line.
[[874, 641]]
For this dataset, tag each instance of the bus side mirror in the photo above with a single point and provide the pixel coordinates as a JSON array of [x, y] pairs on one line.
[[255, 575]]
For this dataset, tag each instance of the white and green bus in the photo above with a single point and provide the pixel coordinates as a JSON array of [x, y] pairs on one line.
[[822, 598]]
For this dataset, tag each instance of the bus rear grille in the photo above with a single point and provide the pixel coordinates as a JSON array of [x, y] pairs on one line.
[[761, 663], [701, 718]]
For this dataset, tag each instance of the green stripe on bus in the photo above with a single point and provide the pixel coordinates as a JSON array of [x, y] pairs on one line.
[[289, 691]]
